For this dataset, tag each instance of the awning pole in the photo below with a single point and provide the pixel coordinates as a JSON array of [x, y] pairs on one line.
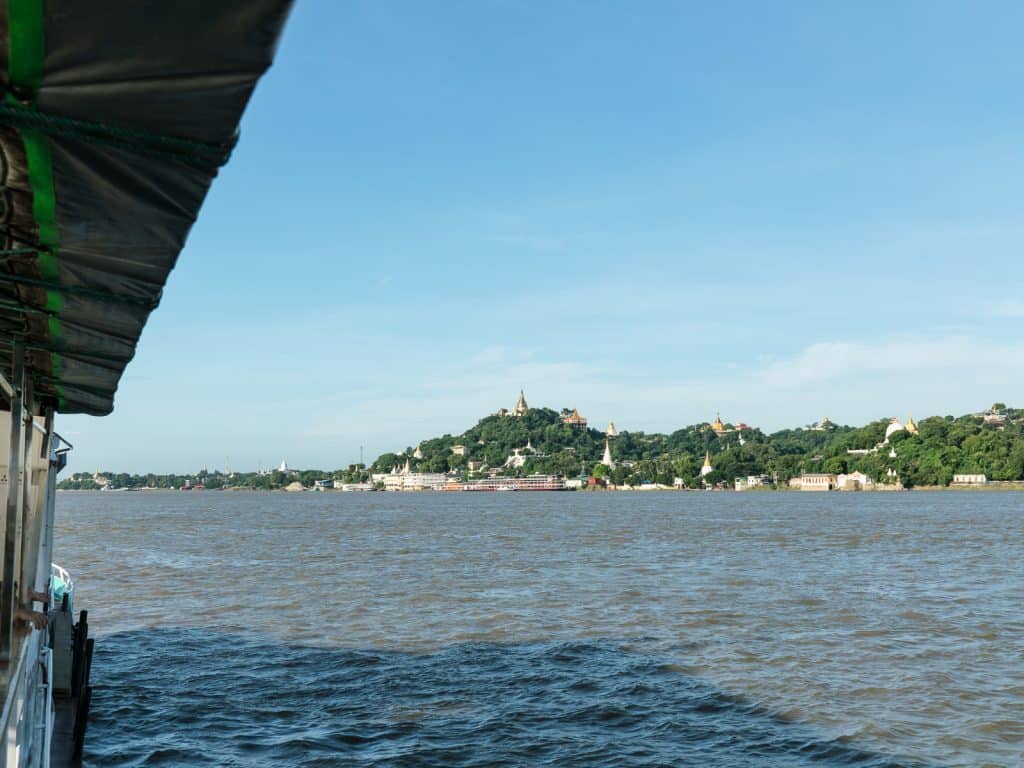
[[7, 586], [25, 551], [45, 537]]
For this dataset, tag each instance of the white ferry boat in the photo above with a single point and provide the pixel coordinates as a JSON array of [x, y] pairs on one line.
[[528, 483], [114, 120]]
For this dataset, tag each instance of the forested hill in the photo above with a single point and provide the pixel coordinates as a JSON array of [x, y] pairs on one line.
[[991, 444], [944, 445]]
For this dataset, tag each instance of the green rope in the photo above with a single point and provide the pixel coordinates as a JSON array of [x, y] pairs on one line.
[[205, 156], [74, 290], [83, 355]]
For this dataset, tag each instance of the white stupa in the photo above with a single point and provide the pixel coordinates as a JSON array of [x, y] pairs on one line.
[[893, 428], [607, 458], [707, 469]]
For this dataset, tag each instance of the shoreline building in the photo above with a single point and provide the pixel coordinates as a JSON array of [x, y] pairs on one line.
[[817, 481], [854, 481], [415, 481]]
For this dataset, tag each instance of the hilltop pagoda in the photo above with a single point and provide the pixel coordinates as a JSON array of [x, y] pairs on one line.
[[574, 420], [718, 427], [521, 408]]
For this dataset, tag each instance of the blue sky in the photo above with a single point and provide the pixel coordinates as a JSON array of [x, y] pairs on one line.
[[650, 211]]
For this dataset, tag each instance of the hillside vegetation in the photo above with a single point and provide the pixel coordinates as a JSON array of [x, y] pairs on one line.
[[943, 446]]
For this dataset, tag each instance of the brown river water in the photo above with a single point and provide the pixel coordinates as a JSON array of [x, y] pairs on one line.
[[561, 629]]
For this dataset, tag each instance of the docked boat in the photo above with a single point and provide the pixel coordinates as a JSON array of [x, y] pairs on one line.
[[116, 116], [528, 483]]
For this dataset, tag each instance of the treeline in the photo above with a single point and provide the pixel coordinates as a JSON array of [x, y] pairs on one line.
[[943, 446], [211, 480]]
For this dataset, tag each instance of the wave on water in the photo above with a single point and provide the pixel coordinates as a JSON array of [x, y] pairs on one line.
[[187, 697]]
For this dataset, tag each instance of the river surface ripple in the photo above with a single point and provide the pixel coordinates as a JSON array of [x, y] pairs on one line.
[[574, 629]]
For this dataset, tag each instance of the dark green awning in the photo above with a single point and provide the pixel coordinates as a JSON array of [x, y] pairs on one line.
[[114, 118]]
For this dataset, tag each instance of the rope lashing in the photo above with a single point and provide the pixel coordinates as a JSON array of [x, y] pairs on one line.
[[205, 156]]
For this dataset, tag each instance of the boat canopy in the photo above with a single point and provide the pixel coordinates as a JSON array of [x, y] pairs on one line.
[[115, 117]]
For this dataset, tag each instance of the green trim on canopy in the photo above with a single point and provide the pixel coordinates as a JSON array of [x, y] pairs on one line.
[[26, 45], [27, 49], [125, 110]]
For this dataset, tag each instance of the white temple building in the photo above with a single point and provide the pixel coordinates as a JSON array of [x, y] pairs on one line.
[[894, 426]]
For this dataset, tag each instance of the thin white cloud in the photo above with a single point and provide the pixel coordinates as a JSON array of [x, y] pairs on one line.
[[1008, 308], [823, 362], [851, 381]]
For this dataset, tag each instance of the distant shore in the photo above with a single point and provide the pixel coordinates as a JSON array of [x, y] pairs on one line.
[[993, 487]]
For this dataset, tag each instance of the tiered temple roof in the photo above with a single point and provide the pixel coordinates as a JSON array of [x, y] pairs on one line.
[[575, 420]]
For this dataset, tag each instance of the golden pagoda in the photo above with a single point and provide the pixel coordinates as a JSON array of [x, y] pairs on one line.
[[707, 468], [521, 408], [910, 426], [717, 425]]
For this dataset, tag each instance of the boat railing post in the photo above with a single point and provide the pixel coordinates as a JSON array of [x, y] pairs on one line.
[[45, 507], [28, 495], [11, 517], [32, 576]]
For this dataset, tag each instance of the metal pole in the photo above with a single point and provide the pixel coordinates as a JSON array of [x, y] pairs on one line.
[[49, 511], [7, 586], [24, 554]]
